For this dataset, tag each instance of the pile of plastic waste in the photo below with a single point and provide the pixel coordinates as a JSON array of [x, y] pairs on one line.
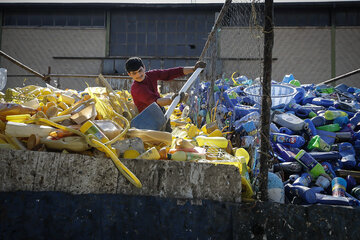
[[96, 122], [315, 136]]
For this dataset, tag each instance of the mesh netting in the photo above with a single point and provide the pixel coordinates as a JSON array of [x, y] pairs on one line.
[[234, 49]]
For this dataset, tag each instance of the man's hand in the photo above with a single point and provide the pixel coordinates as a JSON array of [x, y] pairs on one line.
[[199, 64], [183, 97]]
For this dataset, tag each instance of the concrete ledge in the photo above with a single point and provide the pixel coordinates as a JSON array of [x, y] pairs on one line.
[[80, 174]]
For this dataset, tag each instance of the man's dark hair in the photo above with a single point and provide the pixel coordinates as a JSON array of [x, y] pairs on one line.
[[133, 64]]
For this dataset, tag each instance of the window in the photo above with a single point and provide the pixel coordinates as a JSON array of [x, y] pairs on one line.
[[55, 18]]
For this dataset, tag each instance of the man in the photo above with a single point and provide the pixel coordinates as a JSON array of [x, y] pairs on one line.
[[144, 89]]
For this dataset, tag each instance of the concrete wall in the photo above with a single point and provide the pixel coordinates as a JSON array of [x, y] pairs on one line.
[[36, 47], [46, 195], [303, 51], [80, 174]]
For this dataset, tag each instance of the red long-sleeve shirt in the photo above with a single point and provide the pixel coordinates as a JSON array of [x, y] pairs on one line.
[[146, 92]]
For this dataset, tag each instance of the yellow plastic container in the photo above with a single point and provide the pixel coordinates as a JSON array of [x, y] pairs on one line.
[[241, 152], [151, 154], [220, 142], [131, 154], [89, 127], [66, 99], [18, 118]]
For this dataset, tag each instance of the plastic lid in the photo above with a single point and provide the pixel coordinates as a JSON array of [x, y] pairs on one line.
[[299, 154], [314, 142]]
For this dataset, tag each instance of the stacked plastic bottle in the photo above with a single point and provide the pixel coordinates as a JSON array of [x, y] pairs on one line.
[[315, 137]]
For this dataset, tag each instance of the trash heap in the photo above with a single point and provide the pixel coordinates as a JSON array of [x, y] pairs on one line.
[[96, 122], [315, 136]]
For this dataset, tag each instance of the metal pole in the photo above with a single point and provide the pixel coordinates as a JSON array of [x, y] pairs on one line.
[[339, 77], [266, 101], [13, 60]]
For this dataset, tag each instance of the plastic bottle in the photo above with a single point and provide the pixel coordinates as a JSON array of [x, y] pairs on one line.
[[288, 167], [14, 109], [151, 136], [326, 156], [305, 113], [328, 169], [90, 127], [330, 127], [331, 115], [305, 193], [18, 118], [344, 106], [284, 152], [220, 142], [316, 142], [338, 187], [331, 200], [323, 181], [309, 128], [243, 110], [25, 130], [72, 143], [348, 155], [287, 140], [304, 180], [286, 131], [355, 119], [274, 128], [289, 120], [318, 121], [342, 121], [322, 102], [343, 136], [313, 166], [292, 178], [350, 183], [185, 156], [151, 154]]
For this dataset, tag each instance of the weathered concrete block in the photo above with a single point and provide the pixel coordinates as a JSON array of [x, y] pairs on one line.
[[80, 174]]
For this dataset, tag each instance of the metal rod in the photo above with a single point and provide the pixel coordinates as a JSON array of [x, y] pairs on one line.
[[266, 101], [339, 77], [86, 76], [23, 66], [122, 57]]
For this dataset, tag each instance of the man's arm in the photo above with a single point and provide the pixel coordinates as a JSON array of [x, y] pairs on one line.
[[188, 70], [164, 101]]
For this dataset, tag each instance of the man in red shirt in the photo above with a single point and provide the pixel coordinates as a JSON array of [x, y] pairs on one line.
[[144, 89]]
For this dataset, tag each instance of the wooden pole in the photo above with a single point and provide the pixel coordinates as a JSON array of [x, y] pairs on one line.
[[266, 101]]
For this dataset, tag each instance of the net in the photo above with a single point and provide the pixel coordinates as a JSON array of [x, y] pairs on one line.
[[233, 53]]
